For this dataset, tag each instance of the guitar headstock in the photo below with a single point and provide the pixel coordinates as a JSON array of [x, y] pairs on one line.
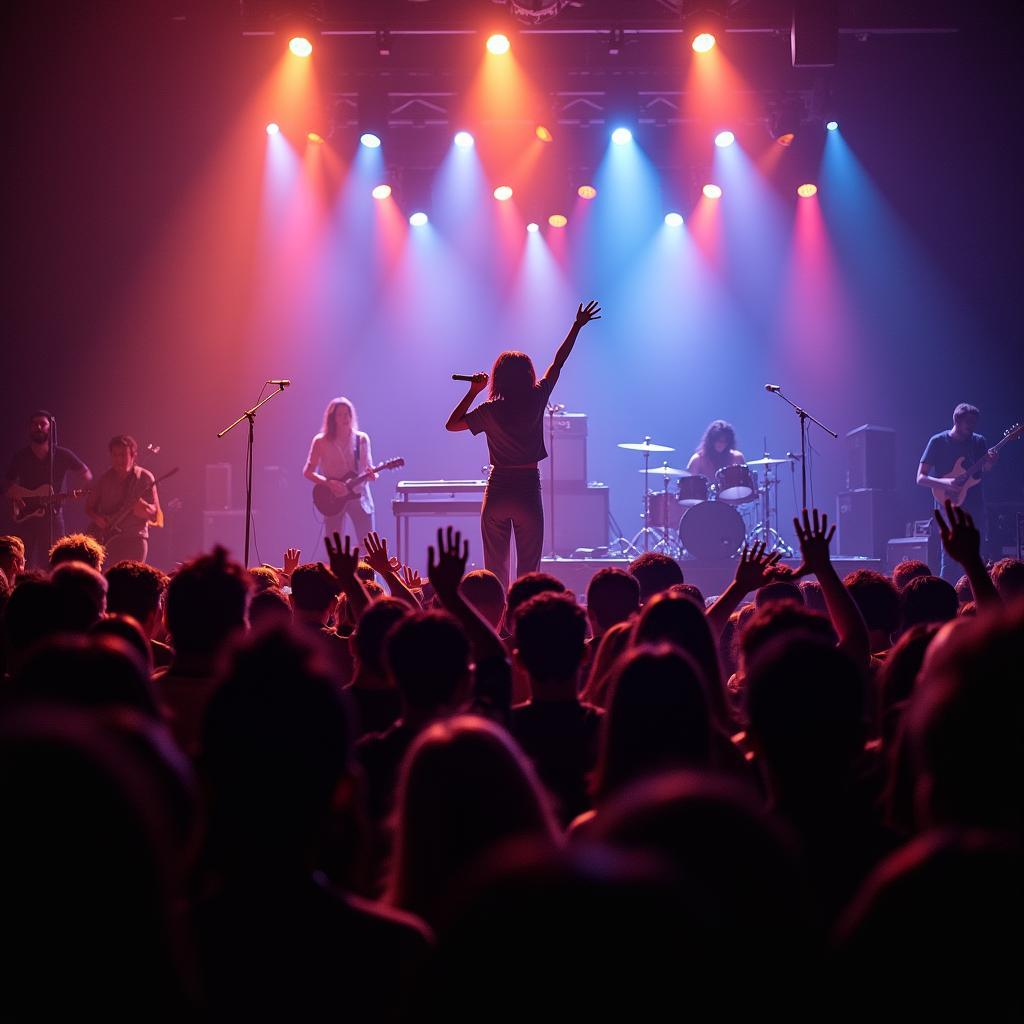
[[392, 464], [1012, 433]]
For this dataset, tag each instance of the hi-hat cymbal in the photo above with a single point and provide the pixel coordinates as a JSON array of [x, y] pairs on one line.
[[645, 446], [767, 461], [664, 471]]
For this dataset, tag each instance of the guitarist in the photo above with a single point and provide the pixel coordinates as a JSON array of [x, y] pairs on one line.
[[937, 463], [30, 468], [123, 503], [340, 448]]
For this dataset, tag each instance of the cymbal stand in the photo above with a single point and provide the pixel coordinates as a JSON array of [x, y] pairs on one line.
[[764, 531], [647, 529]]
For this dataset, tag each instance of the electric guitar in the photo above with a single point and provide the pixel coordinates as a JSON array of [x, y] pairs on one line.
[[116, 520], [26, 504], [964, 478], [329, 504]]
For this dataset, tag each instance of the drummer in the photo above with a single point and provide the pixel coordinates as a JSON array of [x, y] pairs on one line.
[[717, 449]]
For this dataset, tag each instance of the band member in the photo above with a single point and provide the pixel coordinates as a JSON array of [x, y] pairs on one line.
[[340, 448], [30, 469], [717, 449], [939, 469], [513, 420], [124, 504]]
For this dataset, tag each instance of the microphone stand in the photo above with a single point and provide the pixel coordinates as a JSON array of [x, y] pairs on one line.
[[51, 505], [250, 415], [804, 417], [552, 410]]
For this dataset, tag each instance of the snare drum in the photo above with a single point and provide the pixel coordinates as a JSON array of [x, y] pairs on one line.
[[712, 530], [692, 489], [736, 485], [664, 510]]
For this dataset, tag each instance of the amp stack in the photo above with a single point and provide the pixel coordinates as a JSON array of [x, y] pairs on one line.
[[866, 511], [579, 515]]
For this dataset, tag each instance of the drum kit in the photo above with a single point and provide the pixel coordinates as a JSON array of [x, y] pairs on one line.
[[692, 516]]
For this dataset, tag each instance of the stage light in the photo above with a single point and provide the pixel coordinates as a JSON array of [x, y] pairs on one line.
[[723, 139], [464, 140], [556, 220], [674, 220], [543, 134], [498, 44], [806, 191], [369, 140], [586, 191], [315, 137], [532, 227], [703, 23], [502, 193], [702, 42], [712, 191], [381, 192], [273, 128], [831, 125], [418, 219], [300, 46], [621, 136]]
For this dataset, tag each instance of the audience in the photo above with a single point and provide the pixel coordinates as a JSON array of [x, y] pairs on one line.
[[846, 804]]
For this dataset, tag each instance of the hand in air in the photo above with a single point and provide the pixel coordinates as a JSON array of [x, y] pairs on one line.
[[291, 560], [446, 572], [961, 538], [343, 561], [814, 541], [478, 383], [376, 554], [592, 311], [411, 578], [755, 567]]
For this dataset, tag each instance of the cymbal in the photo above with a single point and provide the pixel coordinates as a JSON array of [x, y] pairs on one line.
[[645, 446], [664, 471], [767, 461]]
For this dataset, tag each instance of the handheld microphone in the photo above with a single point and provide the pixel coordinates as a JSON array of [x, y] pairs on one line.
[[773, 387], [462, 376], [281, 383]]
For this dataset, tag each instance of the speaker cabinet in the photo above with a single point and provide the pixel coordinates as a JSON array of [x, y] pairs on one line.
[[580, 516], [218, 485], [911, 549], [565, 437], [867, 518], [226, 528], [871, 458]]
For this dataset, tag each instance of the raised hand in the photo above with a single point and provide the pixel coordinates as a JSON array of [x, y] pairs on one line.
[[446, 571], [343, 561], [814, 536], [478, 383], [411, 578], [292, 558], [592, 311], [755, 567], [961, 538], [377, 554]]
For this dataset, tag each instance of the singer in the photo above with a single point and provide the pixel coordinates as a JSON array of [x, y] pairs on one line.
[[717, 449], [339, 449], [513, 420]]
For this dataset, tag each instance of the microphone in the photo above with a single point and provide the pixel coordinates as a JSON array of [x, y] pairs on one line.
[[773, 387], [795, 456], [281, 383], [462, 376]]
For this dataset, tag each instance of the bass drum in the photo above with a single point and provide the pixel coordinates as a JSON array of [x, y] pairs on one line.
[[712, 531]]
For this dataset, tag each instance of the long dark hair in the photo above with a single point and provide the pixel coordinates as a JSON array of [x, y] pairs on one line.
[[512, 376], [330, 426], [717, 429]]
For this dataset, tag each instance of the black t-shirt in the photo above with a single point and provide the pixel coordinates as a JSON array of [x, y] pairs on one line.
[[940, 456], [515, 430], [377, 709], [32, 472]]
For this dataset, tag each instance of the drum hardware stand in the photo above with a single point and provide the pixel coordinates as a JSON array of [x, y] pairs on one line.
[[804, 417], [552, 411], [764, 531]]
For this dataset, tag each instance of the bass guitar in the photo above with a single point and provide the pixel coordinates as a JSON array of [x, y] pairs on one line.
[[329, 504], [27, 504], [964, 477], [115, 522]]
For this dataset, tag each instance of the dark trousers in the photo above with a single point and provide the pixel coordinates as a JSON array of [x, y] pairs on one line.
[[361, 523], [512, 501], [35, 533], [125, 547]]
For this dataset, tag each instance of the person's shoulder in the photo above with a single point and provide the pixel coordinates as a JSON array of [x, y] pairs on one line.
[[145, 474]]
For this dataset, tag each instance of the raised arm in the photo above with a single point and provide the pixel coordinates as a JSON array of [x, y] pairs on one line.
[[343, 562], [376, 552], [753, 571], [584, 315], [457, 419], [842, 609], [962, 541]]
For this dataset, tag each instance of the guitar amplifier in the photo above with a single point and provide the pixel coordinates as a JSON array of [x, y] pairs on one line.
[[871, 458], [580, 516], [911, 549], [565, 437], [227, 528], [218, 485], [867, 519]]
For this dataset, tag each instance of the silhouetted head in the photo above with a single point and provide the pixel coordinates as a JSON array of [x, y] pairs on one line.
[[512, 376]]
